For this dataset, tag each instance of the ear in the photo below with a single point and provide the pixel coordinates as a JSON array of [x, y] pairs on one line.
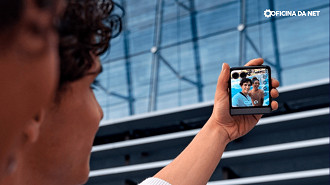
[[32, 130]]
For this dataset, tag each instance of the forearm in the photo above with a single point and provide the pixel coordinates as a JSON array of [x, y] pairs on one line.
[[198, 161]]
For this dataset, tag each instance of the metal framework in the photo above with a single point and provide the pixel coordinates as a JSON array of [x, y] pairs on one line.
[[127, 63], [245, 38], [155, 57], [158, 58]]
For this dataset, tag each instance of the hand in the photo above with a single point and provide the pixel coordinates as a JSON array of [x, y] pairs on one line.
[[236, 126]]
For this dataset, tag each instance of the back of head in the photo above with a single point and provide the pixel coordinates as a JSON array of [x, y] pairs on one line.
[[28, 72], [86, 30]]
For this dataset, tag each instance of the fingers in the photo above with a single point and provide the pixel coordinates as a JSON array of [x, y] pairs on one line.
[[255, 62], [274, 105], [222, 84], [274, 93], [275, 83]]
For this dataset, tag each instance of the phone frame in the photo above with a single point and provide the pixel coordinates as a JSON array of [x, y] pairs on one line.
[[250, 110]]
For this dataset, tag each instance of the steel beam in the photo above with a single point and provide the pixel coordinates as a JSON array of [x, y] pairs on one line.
[[127, 62], [177, 74], [194, 32], [241, 29], [275, 41], [155, 58]]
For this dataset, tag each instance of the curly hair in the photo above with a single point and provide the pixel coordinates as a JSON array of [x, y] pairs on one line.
[[86, 28]]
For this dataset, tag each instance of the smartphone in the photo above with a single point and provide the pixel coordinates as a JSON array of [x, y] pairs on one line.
[[249, 90]]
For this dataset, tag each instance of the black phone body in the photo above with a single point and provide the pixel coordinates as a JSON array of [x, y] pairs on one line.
[[249, 90]]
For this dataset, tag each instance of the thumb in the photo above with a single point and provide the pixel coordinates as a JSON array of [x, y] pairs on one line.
[[222, 85]]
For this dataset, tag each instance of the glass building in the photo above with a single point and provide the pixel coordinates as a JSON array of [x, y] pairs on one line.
[[170, 53]]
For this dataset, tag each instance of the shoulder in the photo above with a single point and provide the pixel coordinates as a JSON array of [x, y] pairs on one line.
[[236, 99], [236, 96]]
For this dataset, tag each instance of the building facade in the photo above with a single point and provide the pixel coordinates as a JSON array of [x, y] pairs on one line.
[[159, 80], [170, 53]]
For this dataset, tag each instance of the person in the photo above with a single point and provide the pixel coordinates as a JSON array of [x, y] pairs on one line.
[[28, 72], [209, 144], [242, 99], [256, 94], [61, 154]]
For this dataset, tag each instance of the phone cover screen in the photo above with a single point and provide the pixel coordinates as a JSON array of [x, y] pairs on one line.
[[250, 87]]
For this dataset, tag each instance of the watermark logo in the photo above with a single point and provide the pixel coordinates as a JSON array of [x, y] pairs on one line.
[[268, 13]]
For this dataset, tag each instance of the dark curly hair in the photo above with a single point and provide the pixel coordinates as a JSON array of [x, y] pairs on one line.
[[244, 80], [86, 28]]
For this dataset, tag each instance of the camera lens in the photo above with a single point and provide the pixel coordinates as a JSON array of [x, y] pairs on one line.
[[243, 75], [235, 75]]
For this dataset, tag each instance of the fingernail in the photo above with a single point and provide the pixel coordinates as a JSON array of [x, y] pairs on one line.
[[222, 66]]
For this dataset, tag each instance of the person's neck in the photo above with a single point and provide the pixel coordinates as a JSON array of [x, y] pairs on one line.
[[244, 93]]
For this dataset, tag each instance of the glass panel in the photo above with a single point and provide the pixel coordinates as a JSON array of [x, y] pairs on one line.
[[216, 50], [168, 100], [255, 11], [140, 39], [140, 13], [261, 37], [141, 105], [298, 5], [303, 45], [118, 111], [296, 32], [116, 48], [204, 4], [176, 30], [305, 73], [141, 73], [219, 19]]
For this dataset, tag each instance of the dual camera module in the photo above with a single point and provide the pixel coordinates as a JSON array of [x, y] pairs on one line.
[[236, 75]]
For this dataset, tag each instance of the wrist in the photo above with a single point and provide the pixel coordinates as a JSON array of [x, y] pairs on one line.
[[214, 126]]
